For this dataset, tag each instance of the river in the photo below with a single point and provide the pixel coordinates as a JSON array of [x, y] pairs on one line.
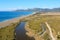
[[21, 32]]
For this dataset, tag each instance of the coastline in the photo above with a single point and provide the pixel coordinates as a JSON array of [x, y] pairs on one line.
[[14, 20], [17, 19]]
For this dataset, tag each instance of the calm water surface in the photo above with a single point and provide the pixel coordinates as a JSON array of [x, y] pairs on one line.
[[21, 32], [4, 15]]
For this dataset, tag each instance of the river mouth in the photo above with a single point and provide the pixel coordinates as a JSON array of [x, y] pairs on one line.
[[21, 32]]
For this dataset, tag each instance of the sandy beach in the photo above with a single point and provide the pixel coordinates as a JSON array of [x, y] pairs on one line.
[[8, 22], [13, 20]]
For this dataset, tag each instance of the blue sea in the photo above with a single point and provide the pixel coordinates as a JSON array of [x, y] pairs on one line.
[[5, 15]]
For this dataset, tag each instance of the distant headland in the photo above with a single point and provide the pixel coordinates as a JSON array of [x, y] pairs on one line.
[[41, 9]]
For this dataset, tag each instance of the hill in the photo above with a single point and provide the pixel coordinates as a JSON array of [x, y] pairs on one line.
[[41, 10]]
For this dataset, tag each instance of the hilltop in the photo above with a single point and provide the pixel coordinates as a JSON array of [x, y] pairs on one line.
[[41, 9]]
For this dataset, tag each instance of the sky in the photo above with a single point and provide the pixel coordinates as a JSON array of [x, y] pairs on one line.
[[24, 4]]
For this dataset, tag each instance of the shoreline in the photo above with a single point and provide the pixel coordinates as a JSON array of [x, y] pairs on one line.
[[14, 20], [49, 13], [18, 17]]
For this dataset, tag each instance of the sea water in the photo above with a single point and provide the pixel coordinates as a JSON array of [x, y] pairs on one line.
[[5, 15]]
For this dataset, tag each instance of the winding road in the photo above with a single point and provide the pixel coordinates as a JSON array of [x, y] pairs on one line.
[[51, 34]]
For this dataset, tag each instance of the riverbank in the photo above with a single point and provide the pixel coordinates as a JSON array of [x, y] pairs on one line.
[[31, 33]]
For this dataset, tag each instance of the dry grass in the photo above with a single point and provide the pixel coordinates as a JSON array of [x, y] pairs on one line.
[[53, 20]]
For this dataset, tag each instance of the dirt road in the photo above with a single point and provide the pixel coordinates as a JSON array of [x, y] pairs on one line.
[[51, 34]]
